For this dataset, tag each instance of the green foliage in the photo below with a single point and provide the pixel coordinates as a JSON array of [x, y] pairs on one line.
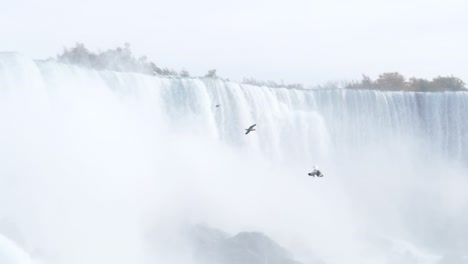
[[211, 74], [122, 59], [184, 73], [118, 59], [449, 83], [391, 81], [418, 84], [394, 81]]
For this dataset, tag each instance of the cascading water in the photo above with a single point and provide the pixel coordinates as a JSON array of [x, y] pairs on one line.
[[107, 167]]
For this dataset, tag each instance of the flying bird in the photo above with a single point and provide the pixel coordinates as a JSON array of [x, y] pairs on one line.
[[316, 172], [218, 105], [250, 129]]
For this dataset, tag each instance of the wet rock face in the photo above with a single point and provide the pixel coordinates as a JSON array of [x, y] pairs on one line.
[[213, 246]]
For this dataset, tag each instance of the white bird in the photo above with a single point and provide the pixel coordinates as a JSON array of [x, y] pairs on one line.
[[316, 172]]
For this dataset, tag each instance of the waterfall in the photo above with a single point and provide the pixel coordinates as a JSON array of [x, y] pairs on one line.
[[95, 162]]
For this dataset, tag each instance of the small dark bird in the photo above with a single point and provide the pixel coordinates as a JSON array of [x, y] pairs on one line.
[[316, 172], [218, 105], [250, 129]]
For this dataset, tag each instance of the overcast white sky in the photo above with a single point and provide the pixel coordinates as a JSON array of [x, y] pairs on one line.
[[295, 40]]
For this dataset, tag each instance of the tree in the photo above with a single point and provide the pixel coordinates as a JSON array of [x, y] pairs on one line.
[[418, 84], [448, 83], [184, 73], [367, 82], [79, 55], [168, 72], [118, 59], [211, 74], [392, 81], [155, 69]]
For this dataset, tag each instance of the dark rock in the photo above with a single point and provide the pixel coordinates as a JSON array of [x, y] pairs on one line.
[[213, 246]]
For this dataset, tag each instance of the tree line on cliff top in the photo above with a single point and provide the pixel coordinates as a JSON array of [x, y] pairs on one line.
[[394, 81], [122, 59]]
